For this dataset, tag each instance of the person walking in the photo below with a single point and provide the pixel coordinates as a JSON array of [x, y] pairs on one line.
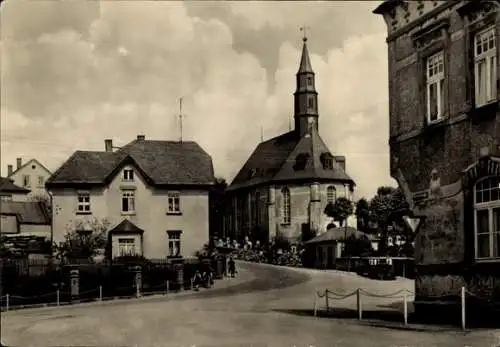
[[232, 267]]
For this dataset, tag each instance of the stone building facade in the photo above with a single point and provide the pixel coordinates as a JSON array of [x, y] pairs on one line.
[[444, 140], [287, 181]]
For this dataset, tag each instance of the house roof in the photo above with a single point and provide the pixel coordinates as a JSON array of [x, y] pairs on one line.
[[386, 6], [160, 162], [7, 186], [126, 227], [338, 234], [30, 162], [274, 161], [27, 212]]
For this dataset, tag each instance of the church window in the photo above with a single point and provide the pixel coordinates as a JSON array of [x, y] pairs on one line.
[[286, 210], [310, 102], [301, 161], [309, 81], [331, 194], [487, 218], [327, 161]]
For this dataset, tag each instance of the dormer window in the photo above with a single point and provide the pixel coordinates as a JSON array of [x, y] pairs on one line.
[[252, 173], [301, 161], [128, 175], [327, 161]]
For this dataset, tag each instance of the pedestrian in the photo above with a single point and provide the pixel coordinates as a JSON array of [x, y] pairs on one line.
[[196, 280], [232, 267]]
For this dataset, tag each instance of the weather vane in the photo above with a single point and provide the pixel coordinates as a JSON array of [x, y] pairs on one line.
[[304, 29]]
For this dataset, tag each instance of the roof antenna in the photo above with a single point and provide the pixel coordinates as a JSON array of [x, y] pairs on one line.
[[261, 133], [181, 117]]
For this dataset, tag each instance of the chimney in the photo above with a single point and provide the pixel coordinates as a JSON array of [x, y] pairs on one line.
[[341, 161], [19, 162], [141, 137], [10, 169], [108, 145]]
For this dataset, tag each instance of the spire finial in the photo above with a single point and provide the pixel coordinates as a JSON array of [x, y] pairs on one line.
[[304, 29]]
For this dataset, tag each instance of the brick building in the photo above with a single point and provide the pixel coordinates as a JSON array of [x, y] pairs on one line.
[[444, 140], [288, 180]]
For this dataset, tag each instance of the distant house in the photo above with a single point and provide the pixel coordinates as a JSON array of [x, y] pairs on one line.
[[323, 250], [10, 191], [24, 218], [154, 194], [32, 175]]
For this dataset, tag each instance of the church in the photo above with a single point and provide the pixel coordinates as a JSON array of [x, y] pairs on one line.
[[286, 183]]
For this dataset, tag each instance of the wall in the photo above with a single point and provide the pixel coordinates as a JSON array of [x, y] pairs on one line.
[[34, 170], [456, 144], [445, 239], [150, 215], [9, 226]]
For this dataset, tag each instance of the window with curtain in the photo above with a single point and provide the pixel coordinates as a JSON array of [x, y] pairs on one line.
[[331, 194]]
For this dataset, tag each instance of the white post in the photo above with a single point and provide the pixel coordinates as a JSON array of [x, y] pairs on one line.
[[57, 296], [7, 302], [315, 303], [463, 307], [360, 308], [100, 293], [326, 300], [168, 286], [405, 302]]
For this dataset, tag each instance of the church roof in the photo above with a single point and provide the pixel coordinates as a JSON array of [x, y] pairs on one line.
[[278, 160]]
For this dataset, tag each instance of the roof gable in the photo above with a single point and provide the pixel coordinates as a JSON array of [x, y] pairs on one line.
[[160, 162], [126, 227], [30, 162]]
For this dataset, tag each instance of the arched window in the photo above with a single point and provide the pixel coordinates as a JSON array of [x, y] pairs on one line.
[[331, 194], [286, 211], [487, 218]]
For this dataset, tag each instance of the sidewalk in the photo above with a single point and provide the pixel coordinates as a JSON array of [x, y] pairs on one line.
[[226, 282]]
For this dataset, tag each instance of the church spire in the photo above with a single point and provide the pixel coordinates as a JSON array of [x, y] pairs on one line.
[[305, 62], [306, 97]]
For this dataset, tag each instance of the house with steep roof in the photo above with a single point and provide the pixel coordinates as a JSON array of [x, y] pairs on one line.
[[286, 183], [10, 191], [31, 175], [153, 194]]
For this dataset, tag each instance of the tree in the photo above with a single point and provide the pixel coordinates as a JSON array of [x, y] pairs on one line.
[[358, 246], [217, 207], [340, 210], [387, 208], [362, 214], [83, 241]]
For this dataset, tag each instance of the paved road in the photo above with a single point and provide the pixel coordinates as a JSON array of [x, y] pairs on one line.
[[266, 306]]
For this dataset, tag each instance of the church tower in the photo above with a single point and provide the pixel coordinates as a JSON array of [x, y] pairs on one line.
[[306, 97]]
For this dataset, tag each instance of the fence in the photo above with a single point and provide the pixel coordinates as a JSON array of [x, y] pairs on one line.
[[56, 284], [400, 294]]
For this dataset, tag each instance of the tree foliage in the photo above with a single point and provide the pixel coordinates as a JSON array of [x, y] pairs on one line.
[[340, 210], [358, 246], [362, 214], [386, 211], [217, 207], [83, 241]]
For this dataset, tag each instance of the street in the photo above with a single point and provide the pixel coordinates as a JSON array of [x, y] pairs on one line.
[[264, 306]]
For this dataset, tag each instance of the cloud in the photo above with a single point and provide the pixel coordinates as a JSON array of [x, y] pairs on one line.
[[118, 69]]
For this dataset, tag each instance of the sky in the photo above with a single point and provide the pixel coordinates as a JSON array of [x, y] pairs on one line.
[[79, 72]]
